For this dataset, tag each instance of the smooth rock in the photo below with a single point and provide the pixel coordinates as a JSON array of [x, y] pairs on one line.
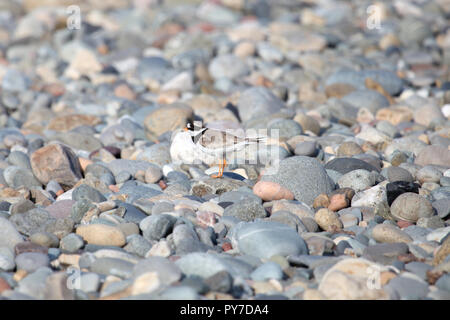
[[303, 176], [357, 180], [307, 149], [346, 165], [349, 279], [167, 271], [257, 102], [410, 207], [433, 155], [31, 261], [9, 236], [17, 177], [405, 287], [56, 162], [101, 234], [267, 271], [326, 219], [156, 227], [265, 239], [85, 191], [385, 253], [390, 234], [71, 243], [246, 210]]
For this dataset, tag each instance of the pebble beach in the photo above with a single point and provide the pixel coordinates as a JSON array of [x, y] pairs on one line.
[[349, 199]]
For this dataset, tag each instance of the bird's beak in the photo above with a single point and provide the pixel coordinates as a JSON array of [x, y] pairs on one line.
[[185, 129]]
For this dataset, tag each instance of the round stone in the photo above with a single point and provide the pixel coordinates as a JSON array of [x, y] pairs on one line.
[[428, 174], [227, 66], [433, 222], [338, 201], [153, 174], [269, 191], [31, 261], [357, 180], [87, 192], [398, 174], [308, 123], [284, 128], [303, 176], [267, 271], [307, 149], [157, 226], [17, 177], [436, 155], [348, 279], [387, 233], [348, 149], [257, 102], [246, 210], [326, 219], [45, 239], [9, 236], [101, 234], [264, 239], [410, 207], [349, 220], [71, 243]]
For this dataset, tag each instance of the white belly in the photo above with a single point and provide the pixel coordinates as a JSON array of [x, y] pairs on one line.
[[183, 150]]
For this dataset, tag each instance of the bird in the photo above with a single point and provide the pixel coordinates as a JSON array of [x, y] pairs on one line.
[[198, 144]]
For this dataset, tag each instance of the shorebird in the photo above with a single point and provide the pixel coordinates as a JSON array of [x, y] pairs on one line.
[[196, 143]]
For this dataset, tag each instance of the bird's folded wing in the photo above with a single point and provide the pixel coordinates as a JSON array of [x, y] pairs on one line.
[[214, 139]]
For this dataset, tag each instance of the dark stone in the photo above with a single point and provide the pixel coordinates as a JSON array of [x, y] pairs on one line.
[[342, 245], [345, 165], [23, 247], [233, 175], [132, 213], [220, 282], [385, 253], [87, 192], [395, 189], [4, 206], [225, 204]]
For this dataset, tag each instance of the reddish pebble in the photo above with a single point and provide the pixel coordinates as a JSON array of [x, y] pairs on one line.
[[124, 91], [269, 191], [113, 188], [55, 89], [4, 285], [205, 27], [337, 202], [162, 184], [103, 49], [227, 246], [403, 224]]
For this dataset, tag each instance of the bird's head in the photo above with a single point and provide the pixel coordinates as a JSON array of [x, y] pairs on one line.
[[193, 126]]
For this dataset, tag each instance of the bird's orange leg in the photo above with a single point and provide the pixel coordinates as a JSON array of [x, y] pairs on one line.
[[222, 165]]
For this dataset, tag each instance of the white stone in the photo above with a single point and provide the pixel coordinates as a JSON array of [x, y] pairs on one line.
[[438, 234]]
